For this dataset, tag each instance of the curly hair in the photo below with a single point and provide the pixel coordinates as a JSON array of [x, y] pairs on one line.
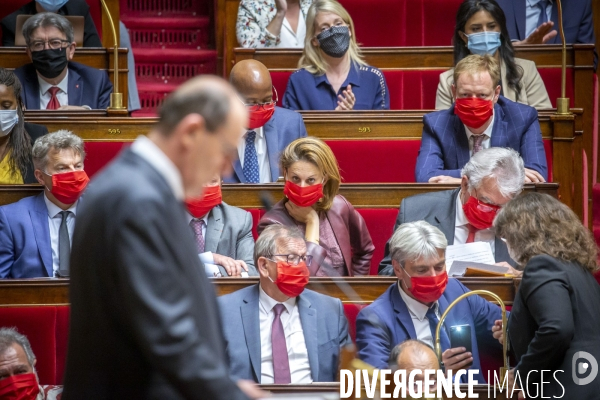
[[535, 223]]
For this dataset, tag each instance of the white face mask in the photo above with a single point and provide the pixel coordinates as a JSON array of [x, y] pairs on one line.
[[8, 119]]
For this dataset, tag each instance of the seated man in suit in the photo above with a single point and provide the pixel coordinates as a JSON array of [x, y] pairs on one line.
[[480, 118], [490, 179], [223, 233], [276, 331], [411, 308], [270, 128], [414, 354], [36, 232], [52, 81]]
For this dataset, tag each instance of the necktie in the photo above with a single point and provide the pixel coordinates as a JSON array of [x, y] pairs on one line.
[[53, 104], [281, 364], [477, 143], [472, 231], [433, 321], [197, 225], [64, 246], [250, 167], [542, 4]]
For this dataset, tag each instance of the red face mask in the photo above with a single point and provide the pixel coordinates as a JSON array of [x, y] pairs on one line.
[[19, 387], [428, 289], [473, 111], [210, 198], [291, 279], [68, 186], [480, 215], [259, 115], [303, 196]]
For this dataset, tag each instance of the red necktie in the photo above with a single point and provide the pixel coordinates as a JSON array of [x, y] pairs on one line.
[[53, 104], [472, 230]]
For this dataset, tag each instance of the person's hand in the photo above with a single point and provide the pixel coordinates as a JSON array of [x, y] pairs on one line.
[[497, 331], [346, 100], [281, 6], [532, 176], [73, 108], [541, 35], [233, 267], [511, 381], [252, 390], [301, 214], [444, 179], [455, 359], [511, 270]]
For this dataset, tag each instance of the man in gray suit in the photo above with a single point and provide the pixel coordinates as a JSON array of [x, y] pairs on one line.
[[490, 179], [276, 331], [223, 233], [144, 322], [269, 130]]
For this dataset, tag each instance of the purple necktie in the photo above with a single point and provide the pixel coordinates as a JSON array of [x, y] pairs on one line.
[[477, 143], [196, 225], [281, 364]]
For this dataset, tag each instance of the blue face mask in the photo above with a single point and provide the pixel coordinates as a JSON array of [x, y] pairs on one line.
[[483, 43], [8, 120], [51, 5]]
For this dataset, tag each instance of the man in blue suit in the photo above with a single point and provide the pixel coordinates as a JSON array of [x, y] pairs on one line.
[[52, 81], [276, 331], [480, 118], [411, 308], [270, 128], [36, 232]]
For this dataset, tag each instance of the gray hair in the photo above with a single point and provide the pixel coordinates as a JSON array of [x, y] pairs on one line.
[[413, 240], [419, 347], [45, 19], [59, 140], [506, 165], [267, 242], [10, 336]]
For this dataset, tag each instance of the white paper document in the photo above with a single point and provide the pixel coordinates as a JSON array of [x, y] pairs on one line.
[[479, 252]]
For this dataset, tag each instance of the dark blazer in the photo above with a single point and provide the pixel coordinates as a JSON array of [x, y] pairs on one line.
[[350, 231], [438, 209], [323, 321], [25, 249], [555, 316], [144, 317], [87, 86], [35, 131], [73, 7], [445, 145], [387, 322], [283, 128]]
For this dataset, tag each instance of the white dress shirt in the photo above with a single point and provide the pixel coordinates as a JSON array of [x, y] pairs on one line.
[[288, 37], [260, 142], [54, 221], [418, 311], [485, 144], [150, 152], [294, 339], [532, 15], [461, 229], [62, 95]]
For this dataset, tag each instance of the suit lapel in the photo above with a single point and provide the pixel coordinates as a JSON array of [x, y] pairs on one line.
[[238, 171], [39, 221], [342, 236], [500, 129], [251, 323], [402, 313], [214, 229], [520, 15], [462, 143], [75, 88], [270, 132], [308, 319], [446, 219], [32, 90]]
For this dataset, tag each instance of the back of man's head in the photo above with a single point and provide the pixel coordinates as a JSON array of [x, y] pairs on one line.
[[413, 354], [503, 164]]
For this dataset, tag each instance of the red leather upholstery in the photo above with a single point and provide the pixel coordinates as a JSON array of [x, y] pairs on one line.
[[380, 222], [351, 310], [549, 154], [280, 80], [552, 78], [257, 213], [99, 154], [412, 90]]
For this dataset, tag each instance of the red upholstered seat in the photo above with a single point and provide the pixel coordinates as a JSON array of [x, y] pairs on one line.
[[552, 79], [549, 153], [99, 154], [257, 213], [280, 80], [412, 90], [351, 310], [380, 222]]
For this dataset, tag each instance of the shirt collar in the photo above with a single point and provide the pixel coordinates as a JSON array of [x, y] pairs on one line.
[[53, 209], [62, 85], [267, 302], [533, 3], [488, 130], [150, 152], [415, 307], [259, 132], [190, 217], [353, 77]]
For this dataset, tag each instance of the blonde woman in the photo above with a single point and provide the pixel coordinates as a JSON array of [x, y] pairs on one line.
[[332, 74], [336, 235]]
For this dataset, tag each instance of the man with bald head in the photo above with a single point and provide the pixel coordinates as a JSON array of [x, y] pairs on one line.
[[269, 130], [412, 355], [144, 317]]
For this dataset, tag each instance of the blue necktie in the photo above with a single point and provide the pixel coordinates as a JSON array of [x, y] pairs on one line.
[[433, 321], [542, 4], [250, 167]]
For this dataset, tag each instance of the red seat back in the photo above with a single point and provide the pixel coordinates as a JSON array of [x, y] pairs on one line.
[[256, 213], [351, 310], [552, 79], [380, 222], [99, 154], [280, 80], [412, 90], [549, 154]]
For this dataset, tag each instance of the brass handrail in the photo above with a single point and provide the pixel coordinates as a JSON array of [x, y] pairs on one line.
[[116, 97]]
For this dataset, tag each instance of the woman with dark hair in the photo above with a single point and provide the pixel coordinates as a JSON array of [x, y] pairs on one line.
[[481, 29], [555, 320], [16, 135]]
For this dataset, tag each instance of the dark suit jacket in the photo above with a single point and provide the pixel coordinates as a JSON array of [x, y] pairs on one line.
[[35, 131], [438, 209], [25, 249], [73, 7], [350, 231], [445, 145], [387, 322], [87, 86], [284, 127], [555, 316], [323, 321], [144, 318]]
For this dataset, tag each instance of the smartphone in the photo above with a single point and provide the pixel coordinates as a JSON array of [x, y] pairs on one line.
[[460, 336]]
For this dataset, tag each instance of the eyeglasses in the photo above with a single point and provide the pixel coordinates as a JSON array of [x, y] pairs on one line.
[[485, 207], [260, 106], [54, 44], [294, 259]]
